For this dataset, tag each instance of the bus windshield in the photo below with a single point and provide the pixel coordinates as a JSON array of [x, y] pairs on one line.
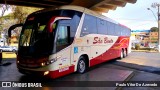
[[39, 31], [34, 32], [26, 35], [34, 35]]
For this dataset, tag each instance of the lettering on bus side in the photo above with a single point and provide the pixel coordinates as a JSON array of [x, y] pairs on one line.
[[98, 40], [63, 68]]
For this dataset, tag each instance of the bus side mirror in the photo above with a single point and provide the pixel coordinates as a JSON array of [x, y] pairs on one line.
[[12, 28]]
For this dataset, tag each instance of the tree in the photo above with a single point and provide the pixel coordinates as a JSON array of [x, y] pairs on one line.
[[20, 12], [18, 15], [154, 29], [3, 8]]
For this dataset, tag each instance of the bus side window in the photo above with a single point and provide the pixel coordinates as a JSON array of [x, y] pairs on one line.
[[63, 37], [102, 27], [111, 28], [89, 25]]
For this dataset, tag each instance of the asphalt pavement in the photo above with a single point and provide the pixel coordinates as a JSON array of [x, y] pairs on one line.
[[142, 66]]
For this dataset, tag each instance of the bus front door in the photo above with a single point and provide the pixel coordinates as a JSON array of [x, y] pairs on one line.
[[63, 48]]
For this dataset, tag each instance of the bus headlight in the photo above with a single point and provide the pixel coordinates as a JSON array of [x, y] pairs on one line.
[[47, 72], [42, 64], [48, 62]]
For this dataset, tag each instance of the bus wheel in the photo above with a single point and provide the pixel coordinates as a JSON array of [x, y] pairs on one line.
[[81, 68], [126, 52], [122, 54]]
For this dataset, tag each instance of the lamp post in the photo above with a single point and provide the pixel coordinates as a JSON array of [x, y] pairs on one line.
[[152, 13], [157, 5]]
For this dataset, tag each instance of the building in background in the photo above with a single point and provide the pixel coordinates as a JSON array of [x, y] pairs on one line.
[[142, 37], [153, 37]]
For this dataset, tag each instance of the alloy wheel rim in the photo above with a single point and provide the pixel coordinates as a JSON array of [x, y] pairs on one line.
[[121, 54], [81, 66]]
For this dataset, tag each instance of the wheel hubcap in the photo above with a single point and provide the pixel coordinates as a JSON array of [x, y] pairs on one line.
[[124, 53], [81, 66], [121, 54]]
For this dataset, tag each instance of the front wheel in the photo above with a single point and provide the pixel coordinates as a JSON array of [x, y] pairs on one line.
[[81, 68]]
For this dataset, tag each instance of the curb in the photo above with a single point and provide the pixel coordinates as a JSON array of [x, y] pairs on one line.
[[144, 51]]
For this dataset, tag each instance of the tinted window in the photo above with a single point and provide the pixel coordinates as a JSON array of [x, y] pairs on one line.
[[118, 30], [128, 32], [89, 25], [62, 37], [124, 31], [26, 36], [102, 27], [111, 28], [74, 22]]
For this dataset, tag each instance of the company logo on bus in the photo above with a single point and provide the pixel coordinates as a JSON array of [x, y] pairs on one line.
[[98, 40]]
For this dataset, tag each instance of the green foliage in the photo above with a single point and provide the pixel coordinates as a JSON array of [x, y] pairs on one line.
[[5, 22], [154, 29], [20, 13], [5, 19], [137, 46], [3, 8], [154, 41], [146, 48], [154, 38], [1, 28]]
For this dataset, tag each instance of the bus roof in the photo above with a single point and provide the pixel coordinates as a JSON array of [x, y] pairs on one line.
[[87, 11], [80, 9]]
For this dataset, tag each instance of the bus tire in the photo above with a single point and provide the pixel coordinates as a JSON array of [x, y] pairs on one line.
[[82, 65], [126, 52], [122, 54]]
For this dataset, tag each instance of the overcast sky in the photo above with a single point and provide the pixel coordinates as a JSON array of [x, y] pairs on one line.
[[136, 16]]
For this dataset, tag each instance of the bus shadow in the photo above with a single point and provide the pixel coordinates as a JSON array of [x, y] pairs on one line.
[[5, 64], [71, 77], [7, 61], [84, 77]]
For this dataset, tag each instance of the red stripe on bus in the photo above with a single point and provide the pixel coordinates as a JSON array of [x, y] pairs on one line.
[[113, 52], [57, 74]]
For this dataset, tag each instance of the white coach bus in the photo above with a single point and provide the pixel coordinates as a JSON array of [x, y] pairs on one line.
[[58, 41]]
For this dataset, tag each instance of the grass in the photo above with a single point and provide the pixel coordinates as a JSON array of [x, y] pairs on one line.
[[144, 50], [8, 55]]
